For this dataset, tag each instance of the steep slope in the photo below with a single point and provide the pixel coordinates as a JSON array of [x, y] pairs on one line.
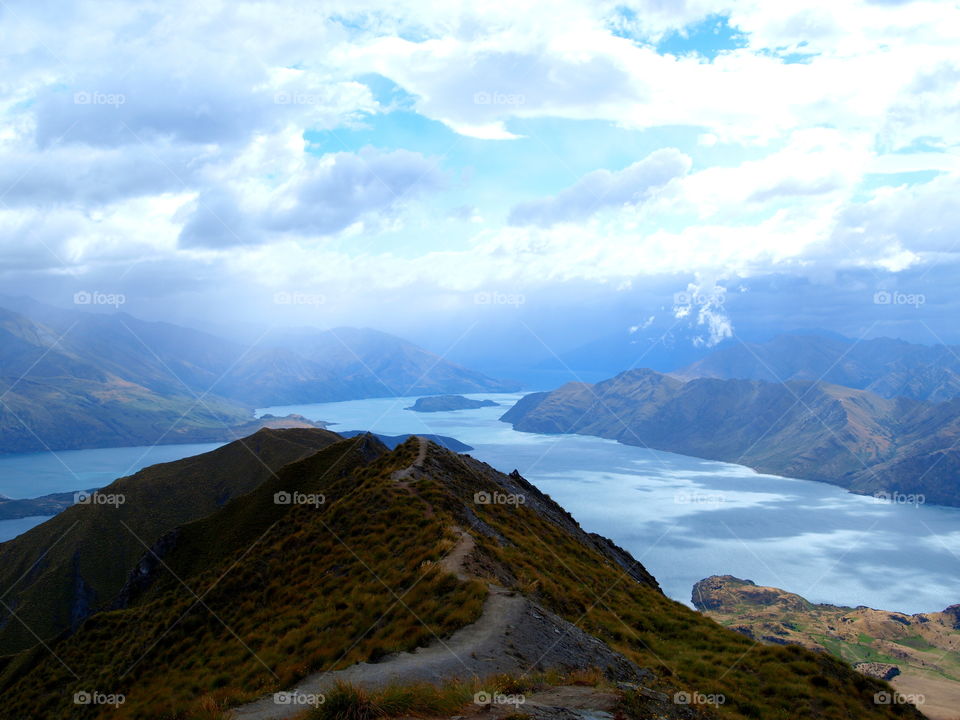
[[921, 653], [402, 552], [59, 572], [816, 431], [887, 367]]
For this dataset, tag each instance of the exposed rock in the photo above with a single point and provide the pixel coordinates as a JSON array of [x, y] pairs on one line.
[[881, 671]]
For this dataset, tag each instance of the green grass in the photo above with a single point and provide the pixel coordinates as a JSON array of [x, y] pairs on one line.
[[319, 589]]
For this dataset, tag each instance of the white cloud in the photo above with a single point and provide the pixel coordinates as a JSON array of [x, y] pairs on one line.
[[602, 189]]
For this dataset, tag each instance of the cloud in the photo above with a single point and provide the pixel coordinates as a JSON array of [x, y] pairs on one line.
[[604, 189], [322, 197]]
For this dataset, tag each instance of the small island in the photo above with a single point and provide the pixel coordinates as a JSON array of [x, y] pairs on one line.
[[443, 403]]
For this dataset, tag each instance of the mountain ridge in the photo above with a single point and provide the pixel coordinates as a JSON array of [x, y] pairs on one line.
[[816, 431]]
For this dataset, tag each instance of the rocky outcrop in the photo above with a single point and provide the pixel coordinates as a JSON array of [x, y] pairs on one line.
[[881, 671]]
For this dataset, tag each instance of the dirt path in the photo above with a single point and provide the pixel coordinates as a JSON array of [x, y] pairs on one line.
[[401, 476], [476, 650], [512, 635]]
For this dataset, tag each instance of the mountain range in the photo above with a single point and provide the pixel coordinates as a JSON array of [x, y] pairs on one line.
[[294, 562], [72, 379], [890, 447], [890, 368]]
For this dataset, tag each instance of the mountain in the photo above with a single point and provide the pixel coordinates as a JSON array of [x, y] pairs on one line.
[[346, 364], [920, 653], [72, 379], [61, 571], [887, 367], [816, 431], [338, 566], [658, 346], [56, 394]]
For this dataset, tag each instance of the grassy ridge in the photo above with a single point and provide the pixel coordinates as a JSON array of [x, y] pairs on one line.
[[317, 591]]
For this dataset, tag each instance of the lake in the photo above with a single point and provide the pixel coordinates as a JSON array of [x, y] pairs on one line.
[[31, 475], [684, 518]]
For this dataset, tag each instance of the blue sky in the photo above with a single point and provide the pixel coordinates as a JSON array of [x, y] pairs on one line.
[[398, 160]]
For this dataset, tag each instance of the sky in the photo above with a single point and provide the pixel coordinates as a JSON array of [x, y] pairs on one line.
[[488, 177]]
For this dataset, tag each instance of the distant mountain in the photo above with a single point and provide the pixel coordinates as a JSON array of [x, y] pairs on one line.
[[346, 364], [71, 379], [816, 431], [60, 394], [339, 565], [657, 347], [887, 367]]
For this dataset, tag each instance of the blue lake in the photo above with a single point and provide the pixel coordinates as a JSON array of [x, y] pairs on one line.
[[684, 518], [35, 474]]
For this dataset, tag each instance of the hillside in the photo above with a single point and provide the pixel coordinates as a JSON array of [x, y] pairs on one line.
[[74, 564], [391, 551], [72, 380], [920, 652], [887, 367], [815, 431]]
